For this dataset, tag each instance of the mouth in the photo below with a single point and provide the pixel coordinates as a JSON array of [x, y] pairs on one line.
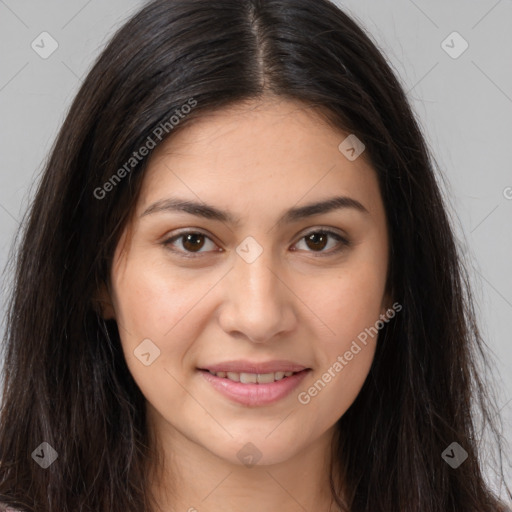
[[253, 378], [254, 389]]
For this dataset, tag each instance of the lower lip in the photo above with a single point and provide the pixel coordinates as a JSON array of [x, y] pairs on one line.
[[255, 394]]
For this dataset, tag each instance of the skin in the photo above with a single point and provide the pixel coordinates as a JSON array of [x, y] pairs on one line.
[[255, 160]]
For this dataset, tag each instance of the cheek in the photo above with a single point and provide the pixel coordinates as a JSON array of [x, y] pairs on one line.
[[348, 302], [151, 304], [151, 301], [335, 387], [349, 306], [346, 356]]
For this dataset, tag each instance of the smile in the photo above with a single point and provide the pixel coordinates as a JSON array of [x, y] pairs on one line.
[[254, 389], [253, 378]]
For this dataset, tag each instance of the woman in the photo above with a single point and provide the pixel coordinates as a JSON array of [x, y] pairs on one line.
[[237, 286]]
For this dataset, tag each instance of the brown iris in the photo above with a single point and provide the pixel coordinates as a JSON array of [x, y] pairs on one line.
[[318, 240], [193, 241]]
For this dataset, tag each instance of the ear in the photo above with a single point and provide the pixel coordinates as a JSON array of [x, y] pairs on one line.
[[102, 302]]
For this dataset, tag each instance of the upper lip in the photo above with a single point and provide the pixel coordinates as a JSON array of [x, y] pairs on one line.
[[241, 366]]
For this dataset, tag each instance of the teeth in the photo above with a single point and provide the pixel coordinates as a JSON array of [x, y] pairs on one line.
[[265, 378], [253, 378], [248, 378], [233, 376]]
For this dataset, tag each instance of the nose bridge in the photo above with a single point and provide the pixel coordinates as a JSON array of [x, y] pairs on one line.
[[257, 302], [253, 266], [258, 280]]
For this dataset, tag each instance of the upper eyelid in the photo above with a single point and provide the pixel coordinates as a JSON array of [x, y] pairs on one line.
[[187, 231], [327, 229]]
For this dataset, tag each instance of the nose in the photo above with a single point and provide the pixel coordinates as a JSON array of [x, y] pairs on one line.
[[258, 304]]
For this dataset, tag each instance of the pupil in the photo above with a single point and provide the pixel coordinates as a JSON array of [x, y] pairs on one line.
[[317, 238], [196, 241]]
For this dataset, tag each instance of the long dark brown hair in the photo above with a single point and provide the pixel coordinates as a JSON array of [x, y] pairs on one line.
[[65, 378]]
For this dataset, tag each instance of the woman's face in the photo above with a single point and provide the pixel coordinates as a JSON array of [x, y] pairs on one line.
[[261, 285]]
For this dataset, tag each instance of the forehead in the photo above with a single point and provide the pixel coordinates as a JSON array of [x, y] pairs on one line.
[[270, 152], [253, 125]]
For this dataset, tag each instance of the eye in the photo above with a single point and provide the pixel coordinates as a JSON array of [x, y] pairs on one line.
[[318, 240], [190, 241]]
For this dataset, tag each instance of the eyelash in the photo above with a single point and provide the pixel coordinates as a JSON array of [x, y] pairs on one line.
[[318, 254]]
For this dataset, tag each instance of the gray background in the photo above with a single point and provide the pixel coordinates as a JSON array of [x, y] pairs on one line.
[[464, 105]]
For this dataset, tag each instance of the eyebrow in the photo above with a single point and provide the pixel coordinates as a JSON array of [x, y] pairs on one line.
[[292, 215]]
